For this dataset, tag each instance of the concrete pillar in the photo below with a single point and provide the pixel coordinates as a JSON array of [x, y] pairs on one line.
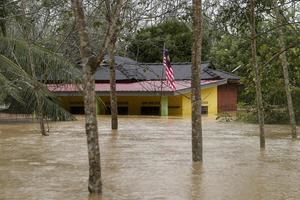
[[164, 106]]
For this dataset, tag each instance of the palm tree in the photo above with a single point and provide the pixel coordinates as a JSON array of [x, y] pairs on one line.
[[27, 91]]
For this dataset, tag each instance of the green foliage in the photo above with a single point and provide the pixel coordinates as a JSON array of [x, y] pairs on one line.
[[274, 114], [48, 66], [233, 50], [23, 88], [3, 96], [246, 116], [148, 43], [271, 117], [230, 52], [296, 101]]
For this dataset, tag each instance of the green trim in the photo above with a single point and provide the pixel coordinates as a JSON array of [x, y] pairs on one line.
[[98, 109], [164, 106]]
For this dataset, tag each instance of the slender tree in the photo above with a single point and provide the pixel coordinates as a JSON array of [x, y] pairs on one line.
[[27, 35], [113, 94], [256, 70], [39, 113], [90, 63], [196, 77], [112, 69], [285, 64]]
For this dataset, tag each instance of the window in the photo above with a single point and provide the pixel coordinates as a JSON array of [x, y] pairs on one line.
[[77, 110], [150, 110], [204, 110], [122, 110]]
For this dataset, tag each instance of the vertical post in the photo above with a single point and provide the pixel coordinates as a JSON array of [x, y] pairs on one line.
[[197, 144], [162, 71], [257, 73], [164, 106], [112, 81], [285, 67], [98, 109]]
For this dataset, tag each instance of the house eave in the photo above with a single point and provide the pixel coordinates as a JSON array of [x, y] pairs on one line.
[[206, 86]]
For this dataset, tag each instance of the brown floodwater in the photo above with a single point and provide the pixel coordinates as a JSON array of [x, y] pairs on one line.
[[149, 158]]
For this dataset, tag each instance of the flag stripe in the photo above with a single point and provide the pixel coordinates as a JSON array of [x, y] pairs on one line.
[[169, 71]]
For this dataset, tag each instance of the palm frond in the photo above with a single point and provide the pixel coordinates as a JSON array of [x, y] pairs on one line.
[[11, 76], [49, 66], [54, 112], [23, 89], [50, 105]]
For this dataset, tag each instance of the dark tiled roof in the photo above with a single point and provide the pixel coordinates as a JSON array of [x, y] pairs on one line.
[[128, 69], [226, 75]]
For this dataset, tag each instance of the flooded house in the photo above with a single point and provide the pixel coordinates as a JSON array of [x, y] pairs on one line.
[[142, 90]]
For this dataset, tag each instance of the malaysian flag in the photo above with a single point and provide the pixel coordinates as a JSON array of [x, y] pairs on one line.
[[169, 71]]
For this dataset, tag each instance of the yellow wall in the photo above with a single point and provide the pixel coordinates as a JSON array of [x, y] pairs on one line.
[[135, 103], [186, 104], [69, 101], [178, 105], [175, 105], [209, 98]]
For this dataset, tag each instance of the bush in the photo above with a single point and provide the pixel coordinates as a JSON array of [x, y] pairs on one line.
[[271, 117]]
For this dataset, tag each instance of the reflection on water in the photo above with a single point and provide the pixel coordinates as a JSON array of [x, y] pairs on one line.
[[149, 158], [94, 197]]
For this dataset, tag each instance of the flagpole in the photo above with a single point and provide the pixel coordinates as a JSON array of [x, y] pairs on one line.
[[162, 71]]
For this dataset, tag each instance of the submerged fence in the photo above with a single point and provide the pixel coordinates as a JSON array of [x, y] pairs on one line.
[[15, 117]]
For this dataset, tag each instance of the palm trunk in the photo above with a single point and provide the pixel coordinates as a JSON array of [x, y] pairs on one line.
[[39, 102], [113, 95], [259, 100], [3, 16], [197, 148], [284, 63], [88, 61], [40, 116]]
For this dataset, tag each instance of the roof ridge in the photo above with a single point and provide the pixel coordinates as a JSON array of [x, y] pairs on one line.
[[229, 73], [176, 63], [160, 63], [210, 72]]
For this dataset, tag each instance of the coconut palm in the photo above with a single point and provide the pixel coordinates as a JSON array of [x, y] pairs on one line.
[[25, 69]]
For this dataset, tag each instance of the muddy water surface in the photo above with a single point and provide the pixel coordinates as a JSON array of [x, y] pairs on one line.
[[149, 158]]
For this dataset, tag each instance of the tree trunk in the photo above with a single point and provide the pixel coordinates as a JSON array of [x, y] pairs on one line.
[[284, 63], [3, 15], [113, 95], [95, 184], [259, 100], [40, 115], [39, 101], [88, 62], [196, 89]]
